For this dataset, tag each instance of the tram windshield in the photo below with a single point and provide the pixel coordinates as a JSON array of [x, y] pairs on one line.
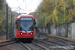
[[26, 25]]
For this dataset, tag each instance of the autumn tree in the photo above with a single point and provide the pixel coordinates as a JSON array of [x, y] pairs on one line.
[[1, 4], [3, 16], [56, 12]]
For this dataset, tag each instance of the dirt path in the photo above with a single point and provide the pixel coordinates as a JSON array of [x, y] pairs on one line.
[[3, 38]]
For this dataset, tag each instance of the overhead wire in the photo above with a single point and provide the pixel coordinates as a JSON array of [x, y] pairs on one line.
[[19, 6], [29, 4], [18, 2], [25, 5]]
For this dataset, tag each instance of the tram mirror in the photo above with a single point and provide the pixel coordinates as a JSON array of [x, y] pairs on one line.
[[35, 23]]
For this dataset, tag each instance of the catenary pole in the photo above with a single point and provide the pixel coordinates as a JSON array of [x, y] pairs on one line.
[[11, 23], [6, 21]]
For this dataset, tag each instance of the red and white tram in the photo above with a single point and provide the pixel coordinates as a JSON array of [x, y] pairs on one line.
[[25, 27]]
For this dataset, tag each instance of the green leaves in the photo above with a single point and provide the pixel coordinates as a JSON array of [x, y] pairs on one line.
[[56, 12], [1, 4], [3, 16]]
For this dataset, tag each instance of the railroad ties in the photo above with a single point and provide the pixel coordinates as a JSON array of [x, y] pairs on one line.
[[7, 42], [42, 44]]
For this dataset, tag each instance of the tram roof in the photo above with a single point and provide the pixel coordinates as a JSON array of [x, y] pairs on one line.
[[18, 18]]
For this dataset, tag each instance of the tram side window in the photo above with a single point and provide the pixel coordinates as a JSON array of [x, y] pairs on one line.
[[18, 25]]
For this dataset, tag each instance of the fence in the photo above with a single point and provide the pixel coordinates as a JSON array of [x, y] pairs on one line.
[[65, 30]]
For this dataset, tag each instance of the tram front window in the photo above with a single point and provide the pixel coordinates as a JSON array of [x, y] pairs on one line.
[[26, 25]]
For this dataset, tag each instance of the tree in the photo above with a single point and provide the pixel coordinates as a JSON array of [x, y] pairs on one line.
[[1, 4], [56, 12]]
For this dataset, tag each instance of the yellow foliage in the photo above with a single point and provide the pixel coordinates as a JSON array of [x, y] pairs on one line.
[[36, 22], [49, 18], [55, 12], [72, 12], [56, 17], [70, 18], [74, 2], [61, 2], [47, 6], [58, 10], [63, 5]]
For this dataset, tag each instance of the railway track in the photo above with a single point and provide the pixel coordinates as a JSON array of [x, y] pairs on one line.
[[58, 42], [52, 43], [55, 45], [58, 39], [25, 46], [7, 42], [45, 45], [62, 40], [37, 44], [33, 46]]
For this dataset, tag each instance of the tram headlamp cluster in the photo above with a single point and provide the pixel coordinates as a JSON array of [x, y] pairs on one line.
[[21, 33], [31, 33]]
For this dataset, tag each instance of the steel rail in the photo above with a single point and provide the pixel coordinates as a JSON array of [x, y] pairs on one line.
[[44, 34], [50, 42], [40, 46], [25, 46], [7, 43], [4, 42], [62, 39], [47, 42]]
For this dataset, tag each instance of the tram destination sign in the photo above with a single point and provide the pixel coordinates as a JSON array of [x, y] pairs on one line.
[[25, 18]]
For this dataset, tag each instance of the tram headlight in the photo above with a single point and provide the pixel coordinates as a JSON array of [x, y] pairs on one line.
[[31, 33], [21, 33]]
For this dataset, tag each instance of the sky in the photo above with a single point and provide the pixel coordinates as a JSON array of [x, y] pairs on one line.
[[23, 6]]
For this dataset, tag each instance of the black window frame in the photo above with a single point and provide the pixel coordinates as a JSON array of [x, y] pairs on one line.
[[18, 24]]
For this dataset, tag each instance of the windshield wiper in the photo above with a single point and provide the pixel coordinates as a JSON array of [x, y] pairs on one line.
[[25, 31]]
